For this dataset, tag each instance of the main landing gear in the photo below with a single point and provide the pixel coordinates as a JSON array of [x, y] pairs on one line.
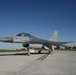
[[50, 52]]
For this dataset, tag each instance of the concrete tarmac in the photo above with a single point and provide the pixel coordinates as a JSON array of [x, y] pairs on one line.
[[19, 63]]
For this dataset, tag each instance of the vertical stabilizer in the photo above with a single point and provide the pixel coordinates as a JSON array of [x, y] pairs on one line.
[[54, 36]]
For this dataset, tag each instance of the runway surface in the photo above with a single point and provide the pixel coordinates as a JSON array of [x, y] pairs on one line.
[[19, 63]]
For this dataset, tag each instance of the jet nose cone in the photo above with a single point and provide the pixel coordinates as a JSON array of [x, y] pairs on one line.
[[7, 39]]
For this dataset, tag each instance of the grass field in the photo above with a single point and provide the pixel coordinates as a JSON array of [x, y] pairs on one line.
[[25, 50], [11, 50], [67, 49]]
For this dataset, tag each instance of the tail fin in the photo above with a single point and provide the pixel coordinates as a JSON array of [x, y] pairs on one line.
[[54, 36]]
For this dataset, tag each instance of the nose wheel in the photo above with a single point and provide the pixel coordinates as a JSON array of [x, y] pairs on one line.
[[28, 51]]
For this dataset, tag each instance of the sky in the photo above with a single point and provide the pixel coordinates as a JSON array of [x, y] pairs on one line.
[[40, 18]]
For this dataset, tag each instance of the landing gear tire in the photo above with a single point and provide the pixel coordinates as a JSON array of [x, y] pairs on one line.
[[39, 52], [50, 52]]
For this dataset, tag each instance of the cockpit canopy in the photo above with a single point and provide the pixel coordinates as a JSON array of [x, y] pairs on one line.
[[23, 34]]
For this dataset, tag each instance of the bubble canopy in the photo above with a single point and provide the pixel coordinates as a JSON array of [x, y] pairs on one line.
[[23, 34]]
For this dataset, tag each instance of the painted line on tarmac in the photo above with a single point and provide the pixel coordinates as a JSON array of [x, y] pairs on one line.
[[44, 56]]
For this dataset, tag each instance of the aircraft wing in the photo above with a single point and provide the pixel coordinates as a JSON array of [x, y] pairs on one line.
[[60, 43], [50, 44]]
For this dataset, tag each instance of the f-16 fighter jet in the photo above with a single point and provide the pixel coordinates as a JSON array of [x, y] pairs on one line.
[[27, 39]]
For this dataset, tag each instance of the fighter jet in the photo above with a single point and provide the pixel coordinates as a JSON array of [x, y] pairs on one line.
[[27, 39]]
